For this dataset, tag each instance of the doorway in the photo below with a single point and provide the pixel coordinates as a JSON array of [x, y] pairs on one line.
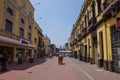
[[95, 50], [115, 37], [101, 55]]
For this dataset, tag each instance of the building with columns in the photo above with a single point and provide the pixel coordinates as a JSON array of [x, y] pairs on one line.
[[19, 32], [95, 34]]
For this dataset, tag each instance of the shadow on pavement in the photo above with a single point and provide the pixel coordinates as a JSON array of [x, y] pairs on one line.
[[25, 65]]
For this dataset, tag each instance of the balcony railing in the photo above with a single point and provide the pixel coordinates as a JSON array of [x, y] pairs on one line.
[[79, 37], [73, 43], [107, 6], [40, 44], [91, 23], [83, 31]]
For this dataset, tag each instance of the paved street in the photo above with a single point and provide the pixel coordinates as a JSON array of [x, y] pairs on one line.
[[48, 69]]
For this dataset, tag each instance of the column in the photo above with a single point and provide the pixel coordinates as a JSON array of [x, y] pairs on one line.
[[32, 53], [15, 53]]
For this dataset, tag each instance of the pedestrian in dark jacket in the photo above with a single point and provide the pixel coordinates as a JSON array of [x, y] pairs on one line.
[[3, 62], [1, 55]]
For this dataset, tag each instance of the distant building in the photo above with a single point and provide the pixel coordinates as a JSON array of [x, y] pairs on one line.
[[47, 42], [53, 49]]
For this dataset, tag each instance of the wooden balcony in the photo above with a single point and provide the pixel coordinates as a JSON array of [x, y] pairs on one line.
[[91, 24], [79, 37], [107, 7], [84, 32], [74, 42], [40, 44]]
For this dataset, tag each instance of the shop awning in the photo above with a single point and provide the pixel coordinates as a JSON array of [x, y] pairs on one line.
[[16, 42]]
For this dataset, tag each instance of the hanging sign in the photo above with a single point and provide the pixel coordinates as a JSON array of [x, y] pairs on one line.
[[118, 23]]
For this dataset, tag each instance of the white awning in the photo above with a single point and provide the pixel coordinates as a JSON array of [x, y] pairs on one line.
[[16, 42]]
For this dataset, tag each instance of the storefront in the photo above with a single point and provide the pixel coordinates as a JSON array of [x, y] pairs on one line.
[[28, 53], [8, 52], [14, 47], [20, 51], [115, 37]]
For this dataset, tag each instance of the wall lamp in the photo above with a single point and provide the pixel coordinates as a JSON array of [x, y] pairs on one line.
[[113, 11]]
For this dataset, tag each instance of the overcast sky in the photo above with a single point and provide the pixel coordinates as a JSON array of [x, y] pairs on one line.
[[58, 17]]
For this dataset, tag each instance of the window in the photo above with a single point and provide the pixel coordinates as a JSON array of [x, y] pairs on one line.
[[29, 28], [106, 3], [35, 40], [9, 10], [85, 21], [30, 14], [21, 32], [29, 36], [22, 21], [88, 15], [8, 26], [99, 5], [93, 9], [36, 28]]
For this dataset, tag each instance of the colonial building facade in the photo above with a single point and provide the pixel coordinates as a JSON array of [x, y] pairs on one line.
[[95, 37], [19, 32]]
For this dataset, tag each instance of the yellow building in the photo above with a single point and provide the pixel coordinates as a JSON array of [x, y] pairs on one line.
[[37, 40], [41, 50], [95, 38], [18, 29], [47, 42]]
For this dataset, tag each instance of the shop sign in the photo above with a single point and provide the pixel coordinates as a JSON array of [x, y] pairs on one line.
[[24, 42], [118, 23]]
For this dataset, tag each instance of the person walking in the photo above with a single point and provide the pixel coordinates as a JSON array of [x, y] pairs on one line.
[[3, 60], [1, 56], [50, 55]]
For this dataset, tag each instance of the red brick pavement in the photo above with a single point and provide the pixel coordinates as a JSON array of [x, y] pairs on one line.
[[50, 70]]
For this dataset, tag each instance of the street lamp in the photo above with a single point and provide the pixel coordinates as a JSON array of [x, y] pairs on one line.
[[35, 4]]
